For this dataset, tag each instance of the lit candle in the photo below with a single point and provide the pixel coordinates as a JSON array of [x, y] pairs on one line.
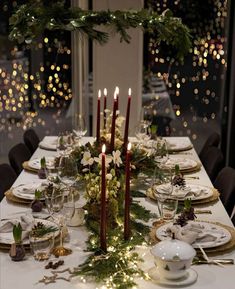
[[103, 244], [113, 122], [127, 118], [105, 105], [117, 93], [98, 117], [127, 196]]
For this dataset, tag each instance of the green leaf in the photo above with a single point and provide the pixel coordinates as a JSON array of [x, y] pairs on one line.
[[17, 233]]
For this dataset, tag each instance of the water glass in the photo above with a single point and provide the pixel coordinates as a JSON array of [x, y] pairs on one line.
[[41, 246], [67, 170], [69, 204], [80, 128], [168, 209]]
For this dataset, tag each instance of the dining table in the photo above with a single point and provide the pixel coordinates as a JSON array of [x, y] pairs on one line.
[[27, 273]]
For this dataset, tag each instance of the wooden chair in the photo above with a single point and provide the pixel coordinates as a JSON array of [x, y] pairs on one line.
[[7, 178], [225, 184], [17, 155], [31, 140]]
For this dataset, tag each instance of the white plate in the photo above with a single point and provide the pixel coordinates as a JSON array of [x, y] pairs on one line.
[[222, 235], [26, 191], [7, 238], [191, 191], [177, 145], [190, 278], [35, 163], [184, 163]]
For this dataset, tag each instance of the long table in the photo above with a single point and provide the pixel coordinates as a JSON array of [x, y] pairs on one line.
[[26, 274]]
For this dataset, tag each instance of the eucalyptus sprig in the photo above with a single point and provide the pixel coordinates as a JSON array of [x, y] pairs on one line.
[[31, 19]]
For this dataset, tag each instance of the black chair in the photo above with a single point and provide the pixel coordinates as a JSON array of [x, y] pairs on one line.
[[213, 162], [7, 178], [225, 184], [233, 220], [212, 141], [31, 140], [17, 155]]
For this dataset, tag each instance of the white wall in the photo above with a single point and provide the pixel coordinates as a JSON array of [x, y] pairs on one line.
[[119, 64]]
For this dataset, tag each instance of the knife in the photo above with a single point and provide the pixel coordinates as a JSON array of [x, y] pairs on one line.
[[221, 261]]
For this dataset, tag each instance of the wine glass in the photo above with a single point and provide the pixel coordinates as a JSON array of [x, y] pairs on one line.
[[67, 170], [160, 151], [80, 128], [61, 145], [141, 132], [54, 199], [69, 204], [146, 115]]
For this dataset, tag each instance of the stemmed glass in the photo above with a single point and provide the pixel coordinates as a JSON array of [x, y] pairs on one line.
[[141, 132], [146, 115], [67, 170], [80, 128], [160, 151]]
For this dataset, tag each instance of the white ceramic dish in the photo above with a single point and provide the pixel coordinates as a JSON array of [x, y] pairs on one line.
[[7, 238], [188, 279], [177, 145], [184, 163], [35, 163], [222, 236], [26, 191], [192, 191]]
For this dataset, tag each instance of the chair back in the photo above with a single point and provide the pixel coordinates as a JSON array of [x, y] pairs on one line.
[[212, 141], [31, 140], [225, 184], [7, 178], [233, 220], [17, 155], [213, 162]]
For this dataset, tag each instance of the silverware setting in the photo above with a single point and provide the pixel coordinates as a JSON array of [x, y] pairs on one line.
[[203, 212], [213, 261]]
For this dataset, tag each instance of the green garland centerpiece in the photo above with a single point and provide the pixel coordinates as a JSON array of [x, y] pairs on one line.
[[31, 19]]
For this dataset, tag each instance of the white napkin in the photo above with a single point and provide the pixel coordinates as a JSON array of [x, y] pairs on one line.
[[192, 232], [182, 192], [26, 222]]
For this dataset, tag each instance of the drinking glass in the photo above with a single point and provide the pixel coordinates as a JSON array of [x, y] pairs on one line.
[[69, 204], [141, 132], [168, 208], [54, 200], [67, 170], [80, 128], [146, 115], [41, 246], [160, 151]]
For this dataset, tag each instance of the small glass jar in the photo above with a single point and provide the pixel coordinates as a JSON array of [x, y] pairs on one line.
[[41, 246]]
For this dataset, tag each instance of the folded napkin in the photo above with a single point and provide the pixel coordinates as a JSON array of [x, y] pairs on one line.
[[183, 192], [191, 233], [26, 222]]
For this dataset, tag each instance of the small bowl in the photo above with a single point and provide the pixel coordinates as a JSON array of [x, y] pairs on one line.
[[173, 258]]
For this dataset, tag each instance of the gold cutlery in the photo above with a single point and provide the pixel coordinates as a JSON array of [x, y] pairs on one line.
[[215, 261], [202, 212]]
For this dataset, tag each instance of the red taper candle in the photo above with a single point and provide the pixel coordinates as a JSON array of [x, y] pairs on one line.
[[98, 117], [117, 93], [127, 118], [113, 122], [105, 106], [103, 223], [127, 229]]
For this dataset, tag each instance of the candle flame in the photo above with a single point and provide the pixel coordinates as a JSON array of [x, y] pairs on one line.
[[103, 148], [105, 92], [129, 146], [129, 91], [99, 93], [117, 90]]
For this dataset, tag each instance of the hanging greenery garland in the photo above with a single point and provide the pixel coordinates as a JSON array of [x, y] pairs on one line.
[[31, 19]]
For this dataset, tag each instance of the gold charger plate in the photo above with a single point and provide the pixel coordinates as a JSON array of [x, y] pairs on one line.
[[210, 251], [10, 197], [28, 168], [172, 150]]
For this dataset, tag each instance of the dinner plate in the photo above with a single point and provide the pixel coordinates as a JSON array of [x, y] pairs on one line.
[[183, 162], [178, 145], [35, 163], [49, 143], [26, 191], [190, 191], [7, 238], [221, 234]]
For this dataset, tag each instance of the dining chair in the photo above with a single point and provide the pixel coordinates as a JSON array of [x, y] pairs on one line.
[[7, 178], [212, 141], [31, 140], [17, 155], [213, 162], [233, 220], [225, 184]]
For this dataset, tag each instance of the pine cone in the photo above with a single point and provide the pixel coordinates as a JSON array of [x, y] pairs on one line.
[[178, 180]]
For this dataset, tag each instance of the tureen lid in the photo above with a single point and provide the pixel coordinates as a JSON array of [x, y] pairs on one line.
[[173, 250]]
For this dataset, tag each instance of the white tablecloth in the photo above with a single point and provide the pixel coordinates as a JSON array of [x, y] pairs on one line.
[[25, 274]]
